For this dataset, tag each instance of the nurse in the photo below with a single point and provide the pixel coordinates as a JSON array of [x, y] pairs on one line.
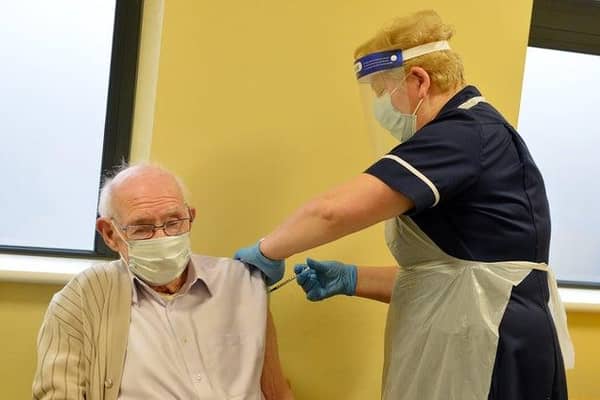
[[474, 311]]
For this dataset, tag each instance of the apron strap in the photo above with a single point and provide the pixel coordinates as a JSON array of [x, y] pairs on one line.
[[524, 265]]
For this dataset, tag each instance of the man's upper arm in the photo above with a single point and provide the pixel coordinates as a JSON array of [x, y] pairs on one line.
[[60, 363], [273, 383]]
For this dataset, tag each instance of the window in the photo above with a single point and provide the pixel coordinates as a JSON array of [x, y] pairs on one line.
[[558, 121], [68, 78]]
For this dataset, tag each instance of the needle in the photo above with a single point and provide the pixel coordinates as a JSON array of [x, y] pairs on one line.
[[280, 284]]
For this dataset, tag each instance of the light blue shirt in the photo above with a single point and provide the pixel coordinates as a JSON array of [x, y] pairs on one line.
[[206, 342]]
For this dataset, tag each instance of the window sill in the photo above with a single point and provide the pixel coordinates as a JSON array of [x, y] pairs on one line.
[[580, 300], [59, 270], [42, 269]]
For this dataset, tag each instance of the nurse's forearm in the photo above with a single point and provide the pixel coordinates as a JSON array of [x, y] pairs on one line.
[[376, 283], [355, 205], [314, 224]]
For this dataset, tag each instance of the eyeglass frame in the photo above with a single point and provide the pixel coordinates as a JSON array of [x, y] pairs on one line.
[[162, 227]]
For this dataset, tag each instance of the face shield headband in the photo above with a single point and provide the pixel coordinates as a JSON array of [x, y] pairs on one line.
[[391, 59]]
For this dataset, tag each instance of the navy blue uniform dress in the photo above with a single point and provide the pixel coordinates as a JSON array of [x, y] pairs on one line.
[[487, 203]]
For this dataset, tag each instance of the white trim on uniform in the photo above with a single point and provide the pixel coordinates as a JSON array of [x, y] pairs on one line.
[[472, 102], [418, 174]]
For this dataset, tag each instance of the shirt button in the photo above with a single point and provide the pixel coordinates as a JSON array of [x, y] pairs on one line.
[[184, 340], [108, 383], [199, 377]]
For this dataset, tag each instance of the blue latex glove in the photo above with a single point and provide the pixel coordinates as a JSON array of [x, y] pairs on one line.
[[273, 269], [323, 279]]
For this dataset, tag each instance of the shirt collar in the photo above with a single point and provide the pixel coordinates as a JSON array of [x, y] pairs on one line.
[[196, 275]]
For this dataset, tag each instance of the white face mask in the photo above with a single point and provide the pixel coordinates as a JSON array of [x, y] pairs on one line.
[[401, 126], [158, 261]]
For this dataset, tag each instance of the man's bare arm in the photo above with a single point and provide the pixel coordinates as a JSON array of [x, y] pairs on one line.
[[273, 383]]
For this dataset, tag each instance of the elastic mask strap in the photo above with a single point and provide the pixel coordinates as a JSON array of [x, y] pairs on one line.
[[116, 228], [418, 106]]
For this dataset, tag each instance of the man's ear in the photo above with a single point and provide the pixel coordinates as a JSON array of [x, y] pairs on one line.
[[424, 81], [107, 230]]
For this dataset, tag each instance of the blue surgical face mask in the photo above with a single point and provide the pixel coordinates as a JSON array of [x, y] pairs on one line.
[[401, 126]]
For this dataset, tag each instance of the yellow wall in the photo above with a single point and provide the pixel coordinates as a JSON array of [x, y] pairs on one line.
[[583, 381], [257, 110], [21, 310]]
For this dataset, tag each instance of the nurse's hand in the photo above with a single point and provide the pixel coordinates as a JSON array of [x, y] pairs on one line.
[[272, 269], [323, 279]]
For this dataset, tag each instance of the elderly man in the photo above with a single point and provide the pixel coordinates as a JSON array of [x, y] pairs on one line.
[[160, 323]]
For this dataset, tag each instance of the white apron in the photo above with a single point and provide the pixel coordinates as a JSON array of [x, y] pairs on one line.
[[444, 315]]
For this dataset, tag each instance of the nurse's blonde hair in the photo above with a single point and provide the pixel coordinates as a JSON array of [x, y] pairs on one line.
[[445, 67]]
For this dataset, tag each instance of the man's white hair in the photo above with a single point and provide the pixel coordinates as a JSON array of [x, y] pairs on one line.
[[105, 201]]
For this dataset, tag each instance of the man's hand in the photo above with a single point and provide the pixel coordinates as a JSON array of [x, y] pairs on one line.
[[323, 279], [272, 269]]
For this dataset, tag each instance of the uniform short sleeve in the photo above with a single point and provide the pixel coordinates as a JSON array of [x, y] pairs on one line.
[[440, 161]]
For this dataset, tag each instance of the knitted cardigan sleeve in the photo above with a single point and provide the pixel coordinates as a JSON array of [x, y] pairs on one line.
[[61, 366]]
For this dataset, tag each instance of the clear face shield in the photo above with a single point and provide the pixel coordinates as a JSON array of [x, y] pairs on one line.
[[391, 119]]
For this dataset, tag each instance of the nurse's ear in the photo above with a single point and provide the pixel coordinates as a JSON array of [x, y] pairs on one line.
[[423, 81]]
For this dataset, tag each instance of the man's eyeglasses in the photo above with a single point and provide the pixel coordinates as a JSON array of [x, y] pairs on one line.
[[173, 227]]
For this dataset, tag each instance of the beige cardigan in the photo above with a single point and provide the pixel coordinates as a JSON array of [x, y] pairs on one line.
[[89, 316]]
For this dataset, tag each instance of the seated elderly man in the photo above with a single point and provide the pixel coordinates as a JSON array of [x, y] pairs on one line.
[[160, 323]]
